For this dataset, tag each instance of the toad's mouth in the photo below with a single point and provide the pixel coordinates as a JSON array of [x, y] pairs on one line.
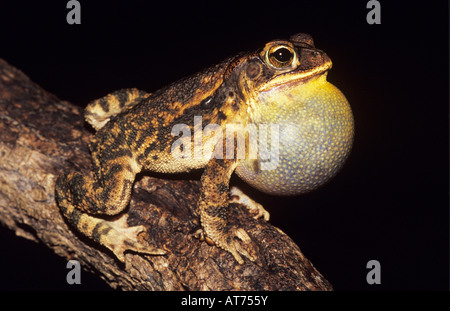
[[292, 79]]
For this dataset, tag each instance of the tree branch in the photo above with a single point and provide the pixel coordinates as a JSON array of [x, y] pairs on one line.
[[42, 136]]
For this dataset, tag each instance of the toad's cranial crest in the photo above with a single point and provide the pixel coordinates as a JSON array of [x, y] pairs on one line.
[[282, 84]]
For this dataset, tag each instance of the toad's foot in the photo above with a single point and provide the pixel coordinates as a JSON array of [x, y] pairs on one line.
[[232, 243], [119, 237], [239, 197]]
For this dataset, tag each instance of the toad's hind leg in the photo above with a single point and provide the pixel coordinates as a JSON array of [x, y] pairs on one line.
[[92, 205], [112, 232]]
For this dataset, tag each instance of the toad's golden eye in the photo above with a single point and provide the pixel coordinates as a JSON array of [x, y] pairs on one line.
[[280, 56]]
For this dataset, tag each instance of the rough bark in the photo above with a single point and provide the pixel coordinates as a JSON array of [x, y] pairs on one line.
[[41, 136]]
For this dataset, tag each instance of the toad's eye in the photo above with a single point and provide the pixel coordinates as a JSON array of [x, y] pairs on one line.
[[280, 56]]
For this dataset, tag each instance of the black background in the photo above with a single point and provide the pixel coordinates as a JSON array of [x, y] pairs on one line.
[[390, 201]]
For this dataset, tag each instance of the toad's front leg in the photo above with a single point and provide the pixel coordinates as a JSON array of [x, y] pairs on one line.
[[214, 204]]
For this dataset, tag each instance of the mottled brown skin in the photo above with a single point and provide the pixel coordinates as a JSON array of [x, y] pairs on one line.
[[134, 135]]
